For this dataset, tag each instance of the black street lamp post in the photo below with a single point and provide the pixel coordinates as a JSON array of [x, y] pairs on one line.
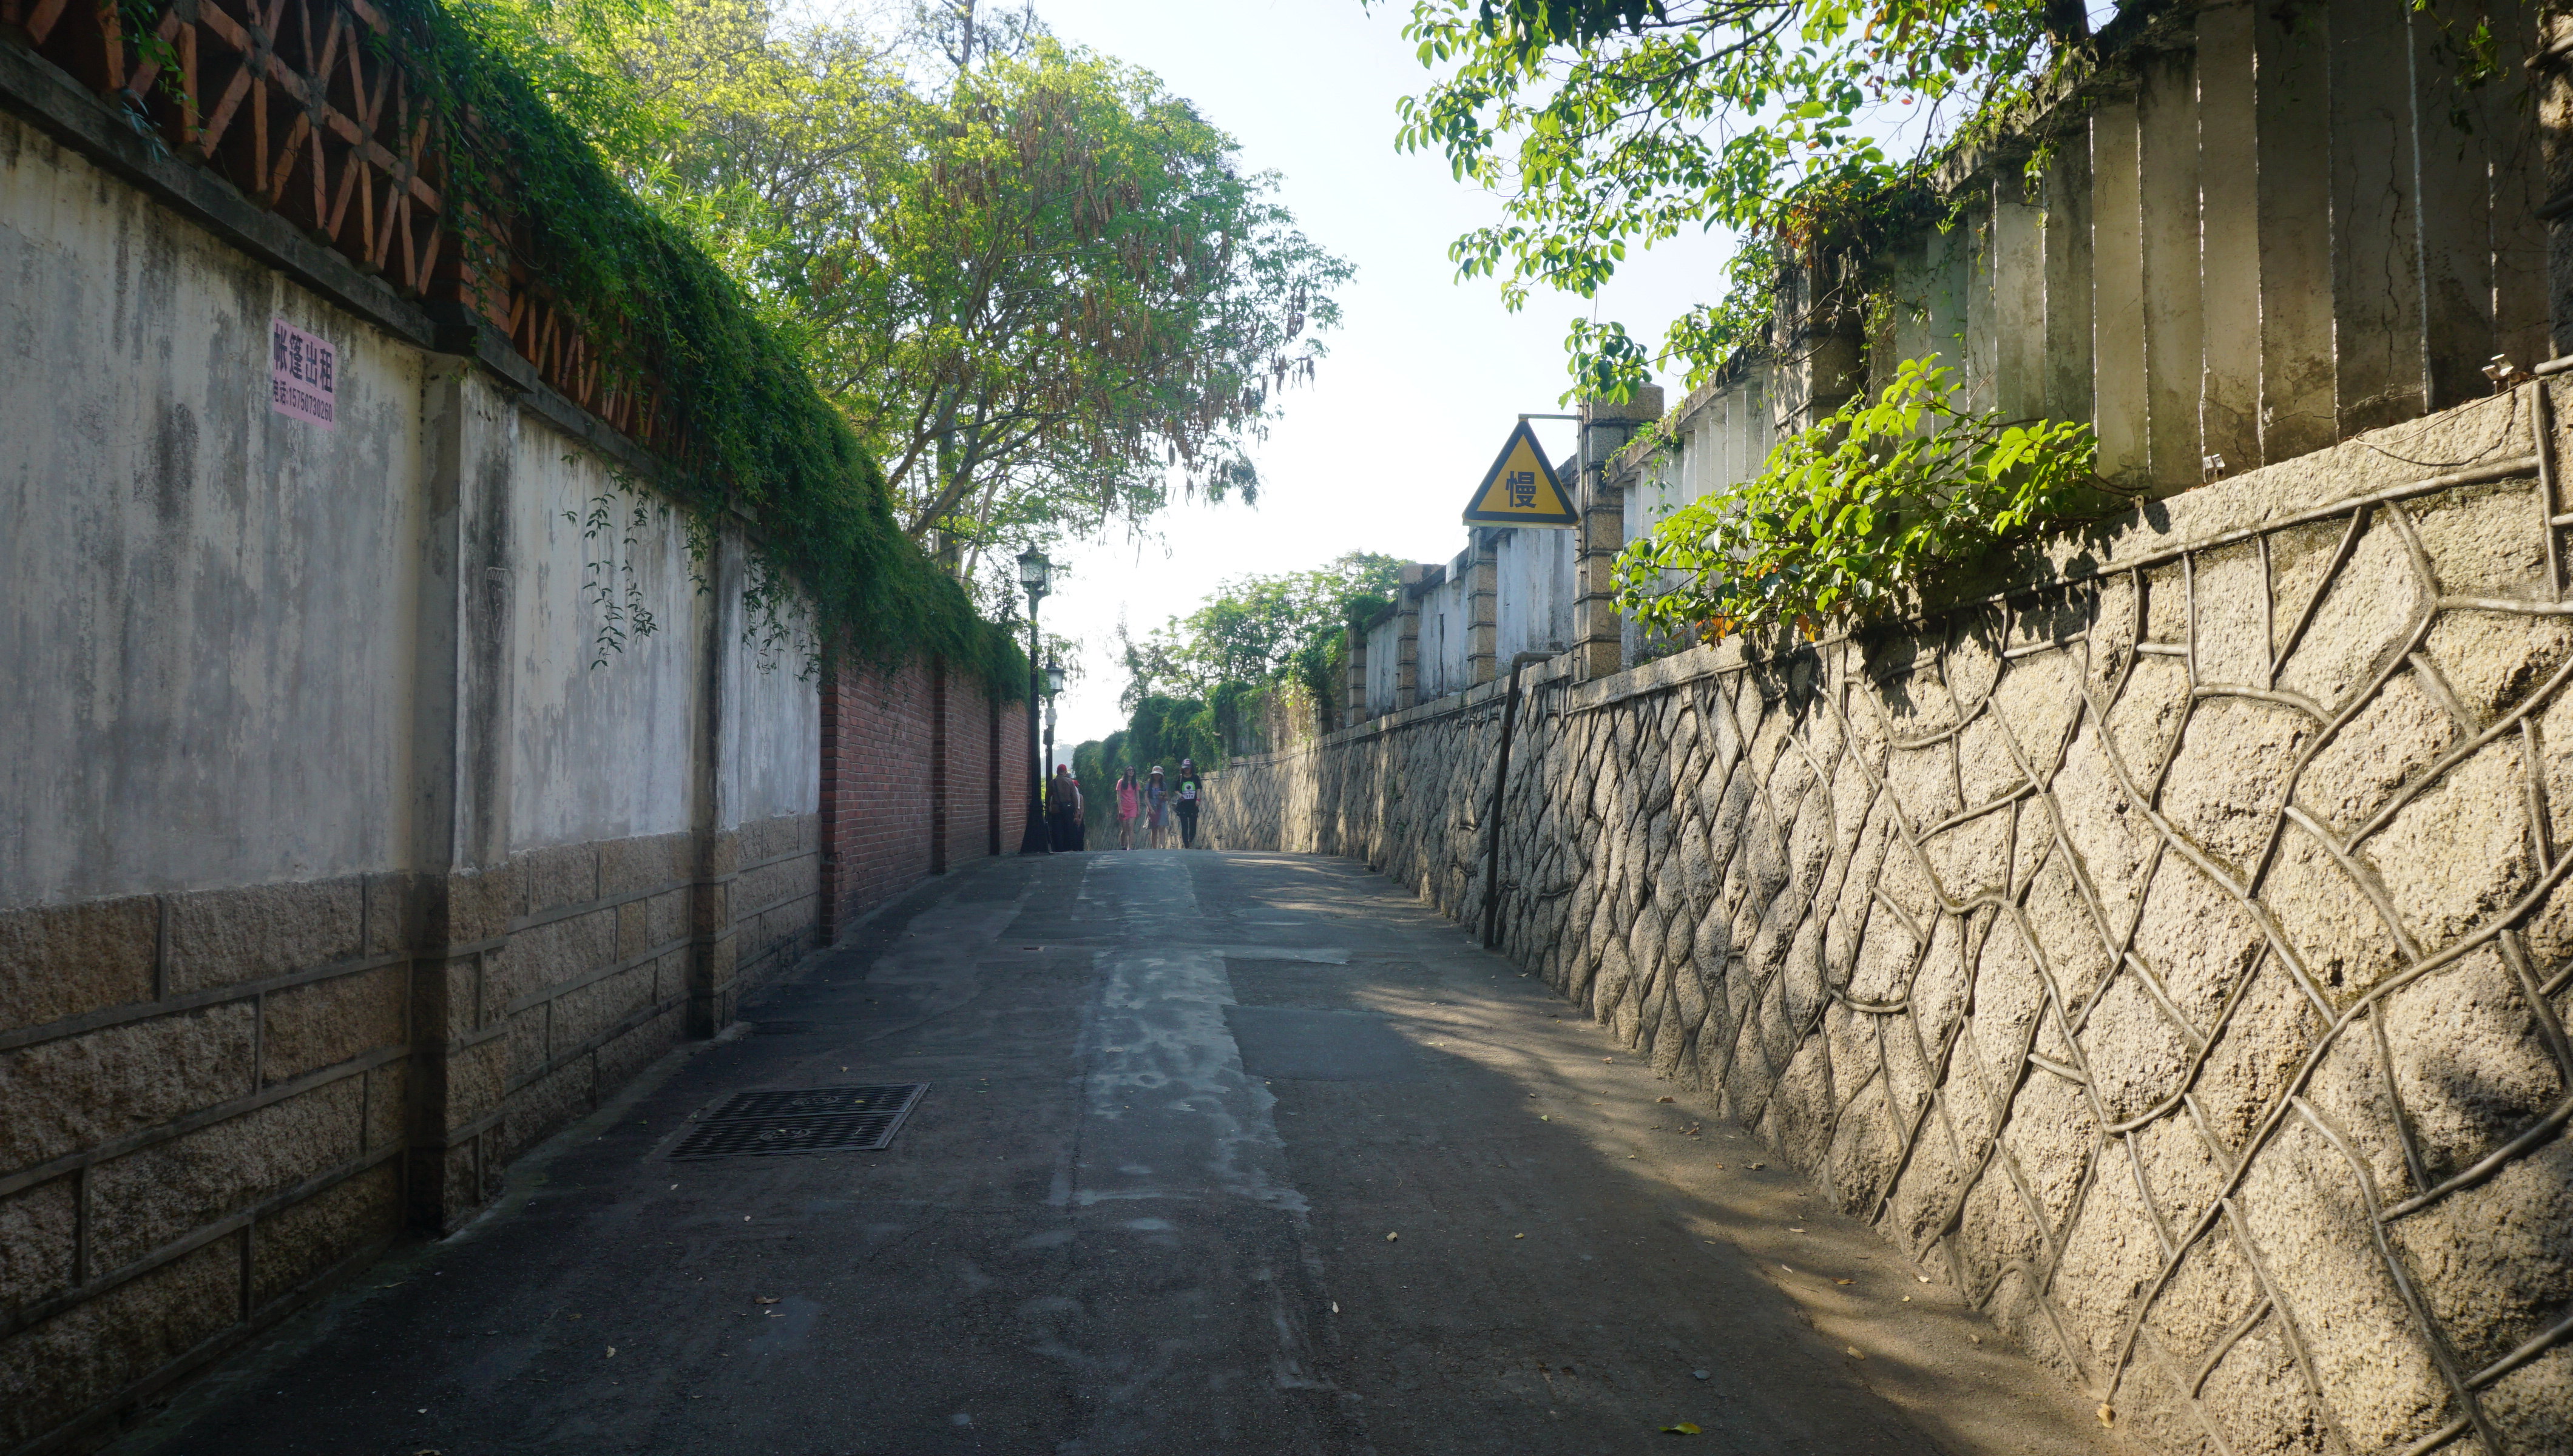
[[1053, 686], [1036, 573]]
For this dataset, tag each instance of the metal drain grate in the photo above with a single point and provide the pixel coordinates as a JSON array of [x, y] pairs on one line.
[[802, 1119]]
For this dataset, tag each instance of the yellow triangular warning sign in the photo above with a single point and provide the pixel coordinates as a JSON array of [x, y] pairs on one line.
[[1520, 489]]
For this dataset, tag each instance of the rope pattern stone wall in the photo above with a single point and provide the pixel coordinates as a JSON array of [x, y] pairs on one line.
[[2175, 960]]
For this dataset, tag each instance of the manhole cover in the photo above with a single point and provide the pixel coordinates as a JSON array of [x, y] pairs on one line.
[[802, 1119]]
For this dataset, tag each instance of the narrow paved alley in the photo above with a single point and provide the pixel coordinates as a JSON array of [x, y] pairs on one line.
[[1218, 1153]]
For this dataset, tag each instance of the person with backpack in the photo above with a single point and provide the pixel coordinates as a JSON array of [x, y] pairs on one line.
[[1185, 798], [1156, 809]]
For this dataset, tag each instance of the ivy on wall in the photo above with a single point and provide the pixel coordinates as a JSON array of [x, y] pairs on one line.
[[535, 208]]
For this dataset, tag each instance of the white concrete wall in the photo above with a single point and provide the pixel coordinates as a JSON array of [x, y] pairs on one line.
[[1383, 663], [1535, 606], [210, 621], [1445, 615], [603, 735], [207, 628], [774, 767]]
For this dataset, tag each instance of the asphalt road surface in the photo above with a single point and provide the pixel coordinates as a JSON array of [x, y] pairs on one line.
[[1218, 1154]]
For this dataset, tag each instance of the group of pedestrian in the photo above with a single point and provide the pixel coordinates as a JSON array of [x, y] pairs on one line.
[[1148, 806]]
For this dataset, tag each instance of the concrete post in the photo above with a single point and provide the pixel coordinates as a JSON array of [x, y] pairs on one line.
[[1353, 706], [938, 777], [717, 858], [2066, 219], [467, 894], [2117, 280], [1482, 606], [2228, 404], [2174, 307], [2292, 125], [1597, 631], [1407, 662], [2380, 351]]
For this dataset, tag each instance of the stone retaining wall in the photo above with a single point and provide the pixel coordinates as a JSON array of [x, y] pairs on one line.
[[2172, 957]]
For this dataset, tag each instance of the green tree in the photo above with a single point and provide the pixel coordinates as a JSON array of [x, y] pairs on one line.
[[1259, 630], [1043, 288], [1607, 126]]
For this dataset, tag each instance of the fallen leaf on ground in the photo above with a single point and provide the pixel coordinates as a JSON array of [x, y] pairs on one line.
[[1684, 1428], [763, 1298], [2106, 1416], [1391, 1237], [1518, 1235], [1844, 1282], [612, 1352], [1607, 1058], [1756, 1167], [1665, 1100]]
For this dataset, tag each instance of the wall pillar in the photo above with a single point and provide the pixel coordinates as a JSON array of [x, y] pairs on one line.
[[1598, 632], [1407, 662], [717, 858], [938, 765], [466, 890], [1354, 709], [1483, 607]]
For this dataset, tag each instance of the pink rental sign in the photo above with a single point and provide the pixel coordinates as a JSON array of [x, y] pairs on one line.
[[303, 376]]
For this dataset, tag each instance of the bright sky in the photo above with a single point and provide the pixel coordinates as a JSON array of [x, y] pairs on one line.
[[1425, 376]]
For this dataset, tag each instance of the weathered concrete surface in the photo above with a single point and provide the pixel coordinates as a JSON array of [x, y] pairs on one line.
[[1176, 1104], [2172, 958], [337, 872]]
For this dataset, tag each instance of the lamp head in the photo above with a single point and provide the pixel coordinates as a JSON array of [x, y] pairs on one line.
[[1054, 677], [1036, 573]]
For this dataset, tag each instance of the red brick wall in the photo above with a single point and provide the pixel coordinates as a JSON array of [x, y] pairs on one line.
[[907, 782]]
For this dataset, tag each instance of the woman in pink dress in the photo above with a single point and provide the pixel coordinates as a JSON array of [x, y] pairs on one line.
[[1127, 790]]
